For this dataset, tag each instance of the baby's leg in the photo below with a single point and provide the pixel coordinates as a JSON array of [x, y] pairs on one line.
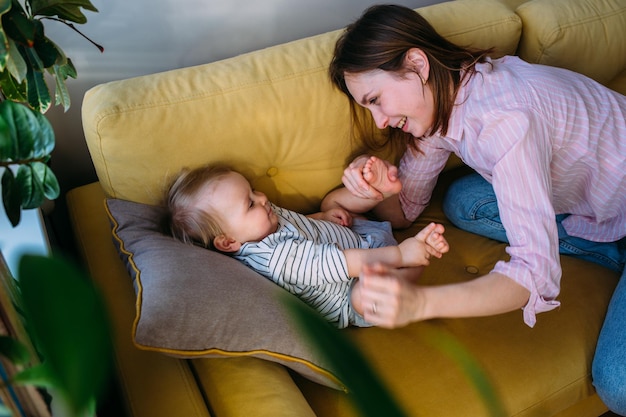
[[376, 173]]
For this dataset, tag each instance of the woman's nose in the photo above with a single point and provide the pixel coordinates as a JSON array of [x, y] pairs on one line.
[[380, 119]]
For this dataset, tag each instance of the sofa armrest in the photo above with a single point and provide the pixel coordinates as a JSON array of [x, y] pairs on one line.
[[141, 375]]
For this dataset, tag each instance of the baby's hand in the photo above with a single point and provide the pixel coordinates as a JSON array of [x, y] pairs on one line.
[[418, 249], [337, 215], [432, 235]]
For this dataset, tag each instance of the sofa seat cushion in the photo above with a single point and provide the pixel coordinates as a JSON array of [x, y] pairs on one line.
[[537, 371]]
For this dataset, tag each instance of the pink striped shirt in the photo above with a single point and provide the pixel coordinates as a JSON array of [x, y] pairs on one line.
[[550, 141]]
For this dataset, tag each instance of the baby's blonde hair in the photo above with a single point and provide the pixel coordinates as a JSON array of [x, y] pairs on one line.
[[188, 223]]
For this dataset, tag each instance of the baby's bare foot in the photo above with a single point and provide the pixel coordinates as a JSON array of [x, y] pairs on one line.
[[376, 173]]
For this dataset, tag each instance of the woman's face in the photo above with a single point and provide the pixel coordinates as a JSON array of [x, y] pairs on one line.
[[399, 101]]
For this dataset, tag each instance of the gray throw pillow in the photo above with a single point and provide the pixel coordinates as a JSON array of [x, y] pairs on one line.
[[193, 302]]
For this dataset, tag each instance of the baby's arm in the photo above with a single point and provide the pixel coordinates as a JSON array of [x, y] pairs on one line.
[[377, 173], [414, 251], [336, 215]]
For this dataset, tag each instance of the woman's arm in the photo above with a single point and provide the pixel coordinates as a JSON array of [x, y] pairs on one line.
[[399, 303], [414, 251], [391, 211]]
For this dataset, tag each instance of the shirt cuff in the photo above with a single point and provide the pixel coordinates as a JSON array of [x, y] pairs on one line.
[[537, 303]]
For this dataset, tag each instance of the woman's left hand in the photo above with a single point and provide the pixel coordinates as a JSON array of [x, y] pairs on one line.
[[388, 300]]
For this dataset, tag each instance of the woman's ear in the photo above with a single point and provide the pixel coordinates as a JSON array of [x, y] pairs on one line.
[[416, 60], [225, 243]]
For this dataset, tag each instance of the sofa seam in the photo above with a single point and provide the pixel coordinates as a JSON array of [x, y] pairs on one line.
[[505, 21], [563, 388], [552, 37], [204, 94]]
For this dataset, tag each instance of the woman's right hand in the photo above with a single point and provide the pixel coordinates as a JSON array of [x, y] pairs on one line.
[[353, 179]]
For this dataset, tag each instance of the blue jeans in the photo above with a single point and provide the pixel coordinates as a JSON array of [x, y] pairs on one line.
[[470, 204]]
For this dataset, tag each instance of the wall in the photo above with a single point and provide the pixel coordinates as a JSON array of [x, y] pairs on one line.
[[147, 36]]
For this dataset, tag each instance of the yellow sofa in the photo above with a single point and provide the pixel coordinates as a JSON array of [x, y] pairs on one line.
[[274, 114]]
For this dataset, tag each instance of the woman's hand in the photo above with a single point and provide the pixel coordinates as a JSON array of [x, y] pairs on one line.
[[355, 182], [387, 299]]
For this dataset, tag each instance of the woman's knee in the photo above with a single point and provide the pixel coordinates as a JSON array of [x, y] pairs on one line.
[[609, 385], [469, 199], [609, 364]]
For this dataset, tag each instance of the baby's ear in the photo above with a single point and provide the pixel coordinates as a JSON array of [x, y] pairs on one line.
[[225, 243]]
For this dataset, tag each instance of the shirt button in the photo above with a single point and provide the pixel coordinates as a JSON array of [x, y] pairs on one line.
[[271, 171]]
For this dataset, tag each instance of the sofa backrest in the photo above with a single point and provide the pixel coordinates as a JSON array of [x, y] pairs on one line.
[[273, 114], [586, 36]]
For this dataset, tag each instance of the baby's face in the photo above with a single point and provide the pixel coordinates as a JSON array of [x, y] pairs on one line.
[[244, 214]]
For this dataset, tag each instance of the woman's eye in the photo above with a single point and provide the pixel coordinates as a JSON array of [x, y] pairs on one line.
[[373, 100]]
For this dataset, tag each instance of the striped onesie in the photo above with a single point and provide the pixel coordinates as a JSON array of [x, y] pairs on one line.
[[304, 256]]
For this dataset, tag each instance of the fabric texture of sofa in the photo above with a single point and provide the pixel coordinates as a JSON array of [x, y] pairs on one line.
[[197, 335]]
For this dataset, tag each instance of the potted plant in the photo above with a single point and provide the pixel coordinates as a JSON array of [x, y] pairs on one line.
[[26, 137], [60, 310]]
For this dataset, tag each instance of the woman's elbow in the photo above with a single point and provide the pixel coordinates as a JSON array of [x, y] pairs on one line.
[[400, 222]]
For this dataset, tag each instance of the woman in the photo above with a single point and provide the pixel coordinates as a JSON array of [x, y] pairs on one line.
[[549, 149]]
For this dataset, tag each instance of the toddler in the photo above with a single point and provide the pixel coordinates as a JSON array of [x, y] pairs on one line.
[[316, 257]]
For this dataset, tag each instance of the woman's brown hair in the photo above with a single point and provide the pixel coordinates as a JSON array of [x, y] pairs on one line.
[[380, 39]]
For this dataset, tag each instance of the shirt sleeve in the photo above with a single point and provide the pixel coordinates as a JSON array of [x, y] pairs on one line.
[[418, 172], [303, 262], [521, 179]]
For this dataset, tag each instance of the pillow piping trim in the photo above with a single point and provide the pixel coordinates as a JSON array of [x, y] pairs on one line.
[[189, 354], [184, 354]]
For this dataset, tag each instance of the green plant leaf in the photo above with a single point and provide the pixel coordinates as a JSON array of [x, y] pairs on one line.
[[63, 9], [18, 26], [45, 48], [8, 144], [23, 126], [31, 187], [38, 375], [11, 197], [61, 94], [14, 350], [5, 6], [69, 326], [46, 177], [64, 68], [366, 391], [37, 90], [16, 64], [44, 137], [11, 89], [447, 344]]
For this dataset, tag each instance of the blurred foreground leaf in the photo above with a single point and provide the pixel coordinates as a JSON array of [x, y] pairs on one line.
[[14, 350], [66, 318], [447, 344], [368, 394]]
